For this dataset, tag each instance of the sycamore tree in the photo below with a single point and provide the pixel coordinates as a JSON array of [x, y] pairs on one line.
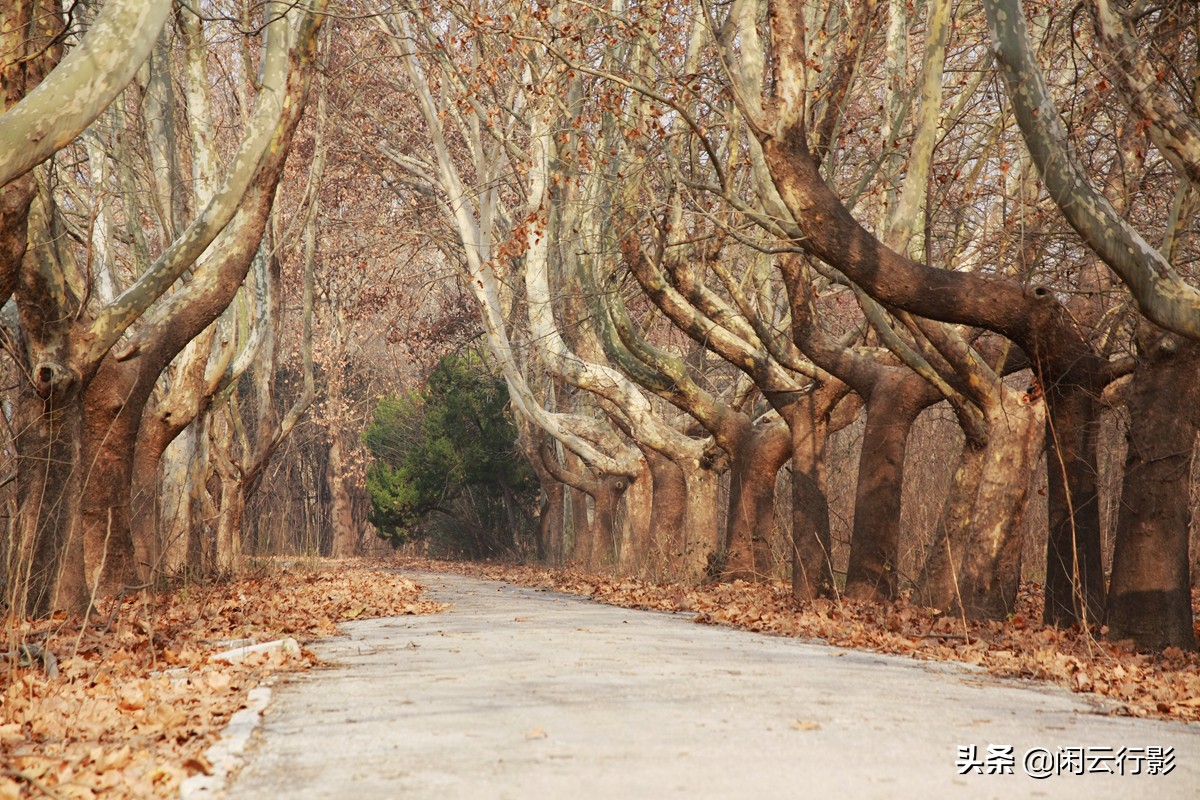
[[89, 341]]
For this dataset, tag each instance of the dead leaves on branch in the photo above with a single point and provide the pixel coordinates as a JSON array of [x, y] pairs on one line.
[[1121, 680], [137, 700]]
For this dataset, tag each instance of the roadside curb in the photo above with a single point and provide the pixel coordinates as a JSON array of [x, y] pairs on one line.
[[226, 755]]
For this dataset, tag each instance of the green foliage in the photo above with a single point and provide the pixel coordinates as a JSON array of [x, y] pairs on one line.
[[448, 467]]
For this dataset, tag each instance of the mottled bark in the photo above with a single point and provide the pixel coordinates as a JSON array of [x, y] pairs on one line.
[[1149, 599], [341, 516], [81, 86], [974, 565], [754, 468]]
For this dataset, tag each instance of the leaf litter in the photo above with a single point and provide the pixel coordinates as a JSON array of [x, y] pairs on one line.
[[136, 700]]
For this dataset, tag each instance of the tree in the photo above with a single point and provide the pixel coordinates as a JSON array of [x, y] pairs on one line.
[[448, 467], [91, 368]]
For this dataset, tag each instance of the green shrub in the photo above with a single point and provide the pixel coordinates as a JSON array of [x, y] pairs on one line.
[[447, 465]]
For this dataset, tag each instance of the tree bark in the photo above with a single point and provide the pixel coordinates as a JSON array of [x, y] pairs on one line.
[[1150, 599], [81, 86], [1074, 553], [46, 566], [605, 533], [896, 399], [345, 534], [754, 467], [808, 422], [974, 565], [667, 529]]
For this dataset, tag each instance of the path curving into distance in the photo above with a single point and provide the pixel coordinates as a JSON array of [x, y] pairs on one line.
[[521, 693]]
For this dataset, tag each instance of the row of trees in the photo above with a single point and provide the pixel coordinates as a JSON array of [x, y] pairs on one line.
[[702, 238], [697, 239]]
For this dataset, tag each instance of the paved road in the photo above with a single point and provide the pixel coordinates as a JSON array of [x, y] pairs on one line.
[[516, 693]]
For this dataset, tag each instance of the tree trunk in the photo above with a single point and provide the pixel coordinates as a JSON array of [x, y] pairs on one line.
[[938, 583], [896, 399], [1150, 599], [974, 565], [604, 532], [1074, 555], [180, 466], [345, 534], [666, 533], [46, 568], [231, 502], [702, 541], [112, 409], [551, 520], [755, 465], [642, 516], [812, 567]]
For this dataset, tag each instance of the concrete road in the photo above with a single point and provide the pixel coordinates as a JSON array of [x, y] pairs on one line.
[[516, 693]]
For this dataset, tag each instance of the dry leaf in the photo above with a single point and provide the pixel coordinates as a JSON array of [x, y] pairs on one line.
[[198, 764]]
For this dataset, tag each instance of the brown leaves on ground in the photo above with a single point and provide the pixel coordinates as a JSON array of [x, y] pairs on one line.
[[1120, 680], [136, 701]]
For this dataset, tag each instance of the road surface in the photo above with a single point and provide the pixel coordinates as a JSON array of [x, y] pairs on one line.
[[519, 693]]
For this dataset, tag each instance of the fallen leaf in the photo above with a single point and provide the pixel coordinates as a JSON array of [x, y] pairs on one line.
[[198, 764]]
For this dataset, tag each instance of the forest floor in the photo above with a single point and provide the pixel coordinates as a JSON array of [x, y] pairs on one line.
[[136, 699]]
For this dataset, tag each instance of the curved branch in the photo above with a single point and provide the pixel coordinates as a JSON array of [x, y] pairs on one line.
[[1160, 293], [83, 84]]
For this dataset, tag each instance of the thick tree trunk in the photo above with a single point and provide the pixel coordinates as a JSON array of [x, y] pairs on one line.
[[974, 565], [551, 520], [581, 528], [639, 520], [812, 566], [991, 566], [895, 401], [345, 535], [667, 531], [1074, 557], [604, 533], [755, 465], [46, 566], [1150, 599], [702, 539], [180, 471], [112, 409], [938, 583]]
